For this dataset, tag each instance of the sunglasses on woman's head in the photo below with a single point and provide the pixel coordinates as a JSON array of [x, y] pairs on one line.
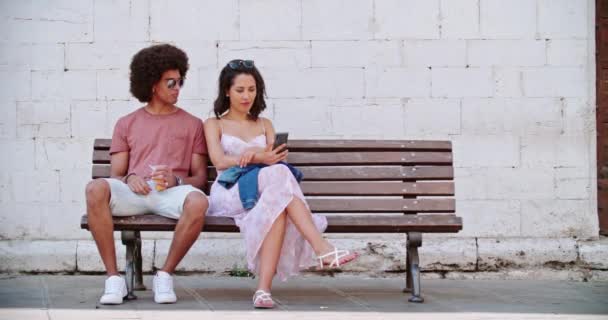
[[235, 64], [171, 83]]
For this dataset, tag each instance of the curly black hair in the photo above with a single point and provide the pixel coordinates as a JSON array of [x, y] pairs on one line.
[[149, 64], [226, 80]]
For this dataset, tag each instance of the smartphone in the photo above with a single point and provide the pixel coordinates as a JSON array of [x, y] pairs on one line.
[[279, 139]]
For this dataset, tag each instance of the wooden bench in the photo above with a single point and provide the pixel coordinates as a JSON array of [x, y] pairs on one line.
[[363, 186]]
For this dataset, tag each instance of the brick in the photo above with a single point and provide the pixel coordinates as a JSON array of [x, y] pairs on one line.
[[42, 111], [59, 85], [8, 122], [506, 53], [356, 53], [573, 183], [320, 21], [217, 255], [37, 256], [558, 218], [399, 19], [59, 21], [481, 183], [46, 221], [312, 117], [113, 85], [339, 83], [51, 153], [448, 254], [208, 82], [555, 82], [462, 82], [101, 55], [88, 259], [382, 119], [282, 20], [201, 109], [507, 82], [489, 218], [200, 53], [213, 20], [35, 186], [559, 151], [274, 54], [523, 116], [413, 82], [595, 253], [578, 116], [192, 87], [117, 20], [21, 151], [43, 119], [31, 56], [495, 254], [83, 112], [567, 53], [431, 53], [497, 18], [17, 88], [427, 117], [553, 13], [486, 151], [459, 19], [72, 184]]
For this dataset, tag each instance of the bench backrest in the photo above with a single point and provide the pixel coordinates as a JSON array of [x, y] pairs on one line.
[[359, 176]]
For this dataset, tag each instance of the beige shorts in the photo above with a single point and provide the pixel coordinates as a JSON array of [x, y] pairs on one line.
[[168, 203]]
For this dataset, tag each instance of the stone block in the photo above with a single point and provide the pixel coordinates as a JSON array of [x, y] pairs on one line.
[[497, 16], [117, 20], [558, 218], [489, 218], [496, 254], [486, 151], [432, 53], [427, 117], [506, 53], [16, 88], [461, 82], [555, 82], [213, 20], [88, 118], [271, 54], [413, 82], [113, 85], [507, 82], [88, 259], [281, 20], [400, 19], [595, 253], [37, 256], [31, 56], [459, 19], [563, 19], [320, 21], [448, 254], [62, 86], [567, 52]]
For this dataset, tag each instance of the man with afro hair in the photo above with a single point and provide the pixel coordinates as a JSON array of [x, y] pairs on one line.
[[158, 165]]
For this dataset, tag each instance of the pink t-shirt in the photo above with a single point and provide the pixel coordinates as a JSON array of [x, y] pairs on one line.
[[169, 139]]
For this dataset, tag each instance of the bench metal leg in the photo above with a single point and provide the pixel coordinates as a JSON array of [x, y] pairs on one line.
[[129, 239], [139, 275], [412, 281]]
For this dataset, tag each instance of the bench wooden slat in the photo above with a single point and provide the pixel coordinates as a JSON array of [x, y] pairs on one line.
[[363, 205], [343, 158], [336, 224], [316, 188], [345, 173], [344, 145]]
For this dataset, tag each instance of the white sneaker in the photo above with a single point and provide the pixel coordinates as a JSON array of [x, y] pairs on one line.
[[116, 290], [162, 285]]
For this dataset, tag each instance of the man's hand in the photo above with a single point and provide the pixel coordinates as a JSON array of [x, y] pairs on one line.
[[138, 185], [163, 175]]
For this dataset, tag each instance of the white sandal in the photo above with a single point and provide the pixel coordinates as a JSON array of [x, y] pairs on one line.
[[338, 255], [262, 300]]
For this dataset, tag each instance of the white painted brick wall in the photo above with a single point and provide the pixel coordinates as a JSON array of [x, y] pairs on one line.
[[509, 82], [514, 19], [418, 19]]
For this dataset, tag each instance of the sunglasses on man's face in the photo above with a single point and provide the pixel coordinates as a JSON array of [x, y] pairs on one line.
[[171, 83], [235, 64]]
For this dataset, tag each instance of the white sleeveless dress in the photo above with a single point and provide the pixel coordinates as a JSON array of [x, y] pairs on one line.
[[276, 189]]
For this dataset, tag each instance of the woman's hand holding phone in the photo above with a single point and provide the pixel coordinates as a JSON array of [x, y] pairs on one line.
[[272, 156]]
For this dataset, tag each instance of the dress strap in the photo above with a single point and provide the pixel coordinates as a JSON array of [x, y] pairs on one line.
[[263, 126]]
